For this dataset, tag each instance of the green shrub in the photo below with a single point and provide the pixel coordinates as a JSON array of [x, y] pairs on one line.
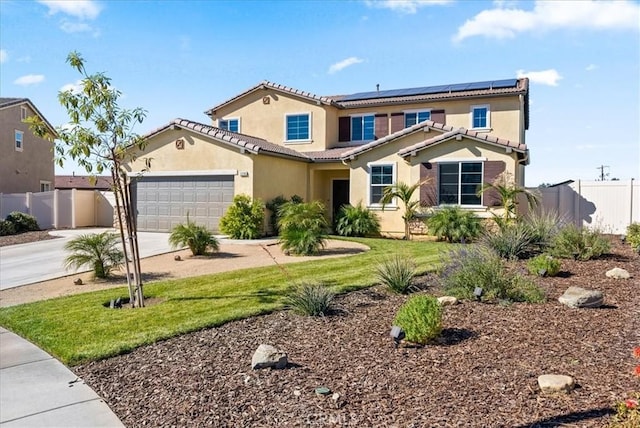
[[23, 222], [198, 238], [469, 267], [396, 272], [579, 243], [244, 219], [512, 241], [454, 224], [420, 318], [357, 221], [97, 250], [633, 235], [274, 207], [544, 265], [310, 299], [543, 227], [7, 228], [303, 227]]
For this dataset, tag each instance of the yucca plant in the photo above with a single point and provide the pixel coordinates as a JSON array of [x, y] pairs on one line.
[[197, 237], [97, 250], [303, 227], [310, 299], [357, 221]]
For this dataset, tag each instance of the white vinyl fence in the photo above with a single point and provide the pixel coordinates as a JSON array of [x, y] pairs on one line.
[[607, 205], [60, 209]]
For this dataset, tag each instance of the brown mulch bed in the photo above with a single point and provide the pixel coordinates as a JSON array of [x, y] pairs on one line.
[[26, 237], [483, 373]]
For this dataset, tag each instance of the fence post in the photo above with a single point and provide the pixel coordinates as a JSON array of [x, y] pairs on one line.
[[631, 202], [56, 208], [73, 208]]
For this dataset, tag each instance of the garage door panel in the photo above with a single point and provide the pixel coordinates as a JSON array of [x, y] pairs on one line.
[[163, 202]]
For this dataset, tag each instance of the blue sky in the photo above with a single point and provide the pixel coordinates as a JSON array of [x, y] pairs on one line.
[[179, 58]]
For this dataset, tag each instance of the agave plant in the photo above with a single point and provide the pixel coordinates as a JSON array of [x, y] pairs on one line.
[[98, 250], [198, 238]]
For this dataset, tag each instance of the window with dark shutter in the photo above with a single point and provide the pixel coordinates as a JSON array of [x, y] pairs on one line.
[[382, 126], [438, 116], [397, 122], [492, 169], [429, 186], [344, 129]]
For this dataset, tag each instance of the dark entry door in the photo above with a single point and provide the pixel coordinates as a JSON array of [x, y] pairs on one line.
[[340, 195]]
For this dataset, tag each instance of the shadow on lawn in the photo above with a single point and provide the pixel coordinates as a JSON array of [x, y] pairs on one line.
[[263, 296], [570, 418]]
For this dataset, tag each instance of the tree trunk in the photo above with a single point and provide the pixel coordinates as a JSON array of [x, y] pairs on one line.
[[118, 194]]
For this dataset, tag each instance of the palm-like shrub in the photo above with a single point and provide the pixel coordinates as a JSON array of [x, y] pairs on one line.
[[274, 207], [579, 243], [303, 227], [420, 318], [97, 250], [244, 218], [310, 299], [396, 272], [404, 192], [197, 237], [357, 221], [454, 224], [509, 192]]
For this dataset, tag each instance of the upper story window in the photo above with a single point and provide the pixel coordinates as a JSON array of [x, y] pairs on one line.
[[19, 140], [298, 127], [459, 183], [480, 117], [381, 176], [363, 128], [413, 117], [232, 125], [23, 113], [45, 186]]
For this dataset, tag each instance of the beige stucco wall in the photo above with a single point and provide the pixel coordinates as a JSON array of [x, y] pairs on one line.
[[22, 171], [273, 176]]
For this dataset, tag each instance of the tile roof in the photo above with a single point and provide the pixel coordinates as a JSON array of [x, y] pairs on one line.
[[6, 102], [265, 84], [82, 182], [334, 154]]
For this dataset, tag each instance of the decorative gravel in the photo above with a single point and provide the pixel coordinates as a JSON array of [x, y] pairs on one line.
[[482, 373], [26, 237]]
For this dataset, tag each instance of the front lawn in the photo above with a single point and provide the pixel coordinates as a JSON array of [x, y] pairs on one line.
[[79, 328]]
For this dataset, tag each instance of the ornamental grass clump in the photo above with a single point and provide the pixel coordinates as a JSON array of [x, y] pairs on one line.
[[396, 272], [466, 268], [420, 318], [310, 299], [511, 242], [544, 265], [543, 226], [579, 243]]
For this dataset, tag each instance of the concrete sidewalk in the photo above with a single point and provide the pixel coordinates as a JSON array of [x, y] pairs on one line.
[[37, 390]]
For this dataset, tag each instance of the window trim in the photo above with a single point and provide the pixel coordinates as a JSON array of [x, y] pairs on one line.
[[309, 138], [362, 115], [394, 180], [459, 162], [23, 112], [487, 126], [20, 147], [417, 112], [228, 119], [45, 183]]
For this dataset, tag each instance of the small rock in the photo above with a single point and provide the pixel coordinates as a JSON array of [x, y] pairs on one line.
[[555, 383], [335, 397], [618, 273], [297, 393], [268, 356], [322, 390], [78, 281], [576, 297], [177, 257], [447, 300]]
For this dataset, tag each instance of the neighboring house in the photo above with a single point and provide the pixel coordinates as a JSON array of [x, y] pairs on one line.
[[83, 182], [274, 140], [26, 161]]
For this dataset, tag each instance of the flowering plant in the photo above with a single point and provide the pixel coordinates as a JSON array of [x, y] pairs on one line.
[[628, 411]]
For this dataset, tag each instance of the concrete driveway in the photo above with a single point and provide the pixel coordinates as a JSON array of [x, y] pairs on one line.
[[40, 261]]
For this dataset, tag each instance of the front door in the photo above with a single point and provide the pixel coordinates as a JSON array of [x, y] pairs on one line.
[[340, 196]]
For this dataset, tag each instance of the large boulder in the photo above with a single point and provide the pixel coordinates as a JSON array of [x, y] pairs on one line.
[[555, 383], [576, 297], [268, 356], [618, 273]]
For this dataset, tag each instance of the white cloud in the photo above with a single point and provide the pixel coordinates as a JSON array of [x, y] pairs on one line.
[[74, 87], [75, 27], [4, 56], [29, 79], [338, 66], [506, 22], [81, 9], [545, 77], [404, 6], [591, 67]]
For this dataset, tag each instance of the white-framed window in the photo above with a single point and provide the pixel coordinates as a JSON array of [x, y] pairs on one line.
[[413, 117], [19, 137], [363, 127], [231, 124], [298, 127], [381, 175], [45, 186], [459, 183], [23, 113], [480, 117]]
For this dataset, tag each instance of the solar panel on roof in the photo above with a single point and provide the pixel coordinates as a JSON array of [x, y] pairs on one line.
[[478, 85], [506, 83]]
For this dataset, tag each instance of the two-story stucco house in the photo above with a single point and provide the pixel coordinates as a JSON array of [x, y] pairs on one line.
[[26, 161], [275, 140]]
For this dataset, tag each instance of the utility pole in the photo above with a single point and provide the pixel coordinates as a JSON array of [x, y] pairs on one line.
[[603, 174]]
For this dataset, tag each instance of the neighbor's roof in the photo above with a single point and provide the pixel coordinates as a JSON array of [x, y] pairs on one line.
[[10, 102], [83, 182]]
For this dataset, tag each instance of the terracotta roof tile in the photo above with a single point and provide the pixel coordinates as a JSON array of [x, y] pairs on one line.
[[519, 147], [82, 182], [334, 154]]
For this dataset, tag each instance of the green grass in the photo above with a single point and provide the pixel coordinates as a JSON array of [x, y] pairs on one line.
[[78, 329]]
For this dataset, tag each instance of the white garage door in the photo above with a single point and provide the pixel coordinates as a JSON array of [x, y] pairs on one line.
[[163, 202]]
